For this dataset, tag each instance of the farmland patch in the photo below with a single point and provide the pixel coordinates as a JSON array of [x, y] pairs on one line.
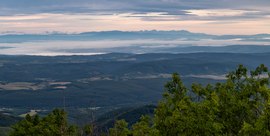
[[22, 86], [32, 113]]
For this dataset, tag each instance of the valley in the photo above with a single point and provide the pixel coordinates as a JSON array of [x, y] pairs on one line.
[[107, 82]]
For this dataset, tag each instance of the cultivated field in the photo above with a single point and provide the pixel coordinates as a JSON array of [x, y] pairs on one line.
[[32, 112], [22, 86]]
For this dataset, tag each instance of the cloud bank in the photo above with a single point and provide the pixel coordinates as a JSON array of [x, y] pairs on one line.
[[208, 16], [88, 43]]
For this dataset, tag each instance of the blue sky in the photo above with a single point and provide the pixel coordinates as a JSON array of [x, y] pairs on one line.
[[75, 16]]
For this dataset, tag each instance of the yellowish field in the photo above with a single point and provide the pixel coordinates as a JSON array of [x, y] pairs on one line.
[[60, 83], [22, 85], [32, 112], [131, 59], [216, 77], [6, 113], [60, 87]]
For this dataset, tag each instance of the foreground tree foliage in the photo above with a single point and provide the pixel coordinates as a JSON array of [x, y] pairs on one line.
[[54, 124], [241, 106]]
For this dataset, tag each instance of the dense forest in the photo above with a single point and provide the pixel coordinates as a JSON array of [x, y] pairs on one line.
[[238, 107], [115, 84], [6, 121]]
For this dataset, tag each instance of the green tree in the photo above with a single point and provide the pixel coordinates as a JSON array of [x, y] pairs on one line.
[[241, 106], [143, 128], [120, 129], [54, 124]]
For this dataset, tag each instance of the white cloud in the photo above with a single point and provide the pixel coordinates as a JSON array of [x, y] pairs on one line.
[[219, 12]]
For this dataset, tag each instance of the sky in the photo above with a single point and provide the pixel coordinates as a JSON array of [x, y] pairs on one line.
[[219, 17]]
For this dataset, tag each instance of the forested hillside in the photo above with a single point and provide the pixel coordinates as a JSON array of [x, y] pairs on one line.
[[38, 84], [6, 121], [238, 107]]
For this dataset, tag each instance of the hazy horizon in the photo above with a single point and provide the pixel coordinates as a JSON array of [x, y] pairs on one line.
[[57, 27], [244, 17], [90, 43]]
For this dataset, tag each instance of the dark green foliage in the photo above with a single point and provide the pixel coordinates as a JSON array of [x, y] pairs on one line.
[[70, 68], [130, 115], [241, 106], [54, 124], [7, 120], [5, 130], [184, 66], [59, 71], [238, 107], [129, 93], [120, 129]]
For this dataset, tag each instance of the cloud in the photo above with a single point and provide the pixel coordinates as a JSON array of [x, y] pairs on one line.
[[38, 16], [171, 7], [175, 9]]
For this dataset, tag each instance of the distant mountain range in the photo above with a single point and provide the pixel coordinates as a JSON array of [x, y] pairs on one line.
[[107, 35], [132, 42], [129, 35]]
